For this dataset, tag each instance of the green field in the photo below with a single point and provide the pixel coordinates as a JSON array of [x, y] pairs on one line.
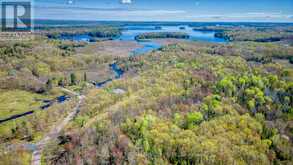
[[16, 102]]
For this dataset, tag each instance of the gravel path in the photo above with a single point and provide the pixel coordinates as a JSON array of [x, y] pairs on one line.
[[53, 134]]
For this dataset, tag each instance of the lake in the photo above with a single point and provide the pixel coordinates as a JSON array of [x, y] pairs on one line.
[[129, 33]]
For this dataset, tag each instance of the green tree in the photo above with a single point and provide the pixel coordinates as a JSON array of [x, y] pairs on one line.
[[73, 79], [193, 119], [227, 86]]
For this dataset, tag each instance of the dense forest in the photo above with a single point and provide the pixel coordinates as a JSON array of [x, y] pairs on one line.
[[97, 31], [185, 103], [156, 35], [256, 34], [185, 106]]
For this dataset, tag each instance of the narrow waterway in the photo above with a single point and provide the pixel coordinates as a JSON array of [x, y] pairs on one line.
[[61, 99], [128, 34], [47, 104], [118, 74]]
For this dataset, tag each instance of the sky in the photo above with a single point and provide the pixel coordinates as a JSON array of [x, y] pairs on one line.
[[166, 10]]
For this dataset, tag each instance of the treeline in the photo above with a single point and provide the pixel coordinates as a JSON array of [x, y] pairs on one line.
[[210, 28], [17, 136], [10, 49], [256, 35], [254, 51], [29, 65], [156, 35], [98, 32], [33, 126]]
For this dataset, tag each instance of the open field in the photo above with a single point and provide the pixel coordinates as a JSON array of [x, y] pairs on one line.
[[109, 48], [17, 102]]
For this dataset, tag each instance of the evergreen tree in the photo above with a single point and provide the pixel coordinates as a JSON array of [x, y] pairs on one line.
[[73, 79]]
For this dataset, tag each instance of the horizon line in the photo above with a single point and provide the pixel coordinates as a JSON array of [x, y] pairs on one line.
[[171, 21]]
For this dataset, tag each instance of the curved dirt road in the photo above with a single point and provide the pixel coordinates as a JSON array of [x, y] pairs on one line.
[[36, 156]]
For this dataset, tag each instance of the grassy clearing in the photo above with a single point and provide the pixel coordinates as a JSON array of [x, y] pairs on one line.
[[17, 101], [31, 128]]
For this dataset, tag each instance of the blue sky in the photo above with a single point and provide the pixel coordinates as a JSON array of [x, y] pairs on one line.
[[166, 10]]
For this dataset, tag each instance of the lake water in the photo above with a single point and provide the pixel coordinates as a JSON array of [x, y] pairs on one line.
[[129, 33]]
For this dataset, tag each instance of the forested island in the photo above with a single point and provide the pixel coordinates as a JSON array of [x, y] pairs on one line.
[[258, 34], [187, 102], [100, 31], [156, 35]]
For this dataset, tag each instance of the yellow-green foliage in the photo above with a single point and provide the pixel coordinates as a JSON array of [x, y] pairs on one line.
[[16, 101], [184, 106], [224, 140], [21, 156], [33, 126], [188, 103], [149, 86], [41, 69]]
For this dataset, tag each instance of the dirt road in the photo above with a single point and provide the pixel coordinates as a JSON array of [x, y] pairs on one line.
[[53, 134]]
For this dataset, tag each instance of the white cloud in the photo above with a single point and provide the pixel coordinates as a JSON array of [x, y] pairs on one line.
[[70, 2], [126, 1]]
